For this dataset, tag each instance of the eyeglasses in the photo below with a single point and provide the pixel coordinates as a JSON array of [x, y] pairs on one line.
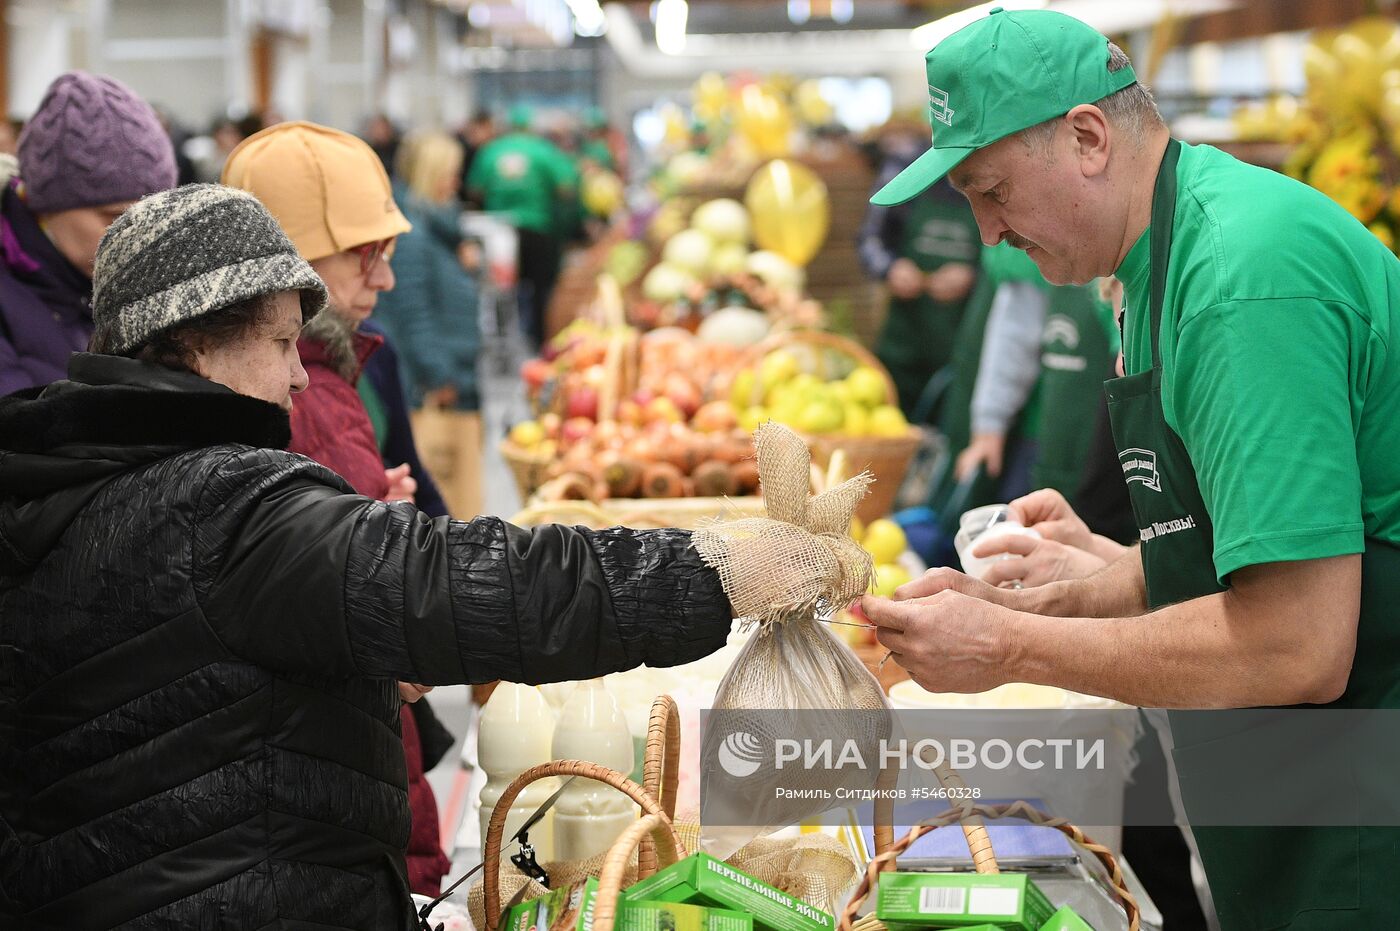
[[372, 253]]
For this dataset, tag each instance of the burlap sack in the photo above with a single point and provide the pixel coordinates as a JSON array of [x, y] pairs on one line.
[[788, 572]]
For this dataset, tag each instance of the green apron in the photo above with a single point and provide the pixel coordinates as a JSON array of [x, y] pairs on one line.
[[1262, 878], [917, 339], [1075, 353]]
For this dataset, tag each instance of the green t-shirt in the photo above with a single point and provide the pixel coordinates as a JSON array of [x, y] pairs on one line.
[[1276, 371], [524, 177]]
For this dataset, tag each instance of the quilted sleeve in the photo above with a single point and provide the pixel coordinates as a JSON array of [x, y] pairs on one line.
[[295, 574]]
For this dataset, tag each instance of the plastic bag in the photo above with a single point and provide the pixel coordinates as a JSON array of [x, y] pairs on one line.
[[793, 680]]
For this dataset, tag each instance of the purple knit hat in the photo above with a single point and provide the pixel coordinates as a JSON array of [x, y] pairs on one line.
[[91, 142]]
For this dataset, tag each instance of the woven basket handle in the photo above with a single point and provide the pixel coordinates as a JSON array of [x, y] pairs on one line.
[[885, 859], [491, 849], [660, 770], [655, 828]]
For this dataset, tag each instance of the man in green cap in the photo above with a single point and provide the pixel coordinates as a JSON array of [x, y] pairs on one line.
[[532, 184], [1256, 430]]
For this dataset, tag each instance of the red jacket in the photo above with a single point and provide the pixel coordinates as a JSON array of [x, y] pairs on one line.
[[329, 423]]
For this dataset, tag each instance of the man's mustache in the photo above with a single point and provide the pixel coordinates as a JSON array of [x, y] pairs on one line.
[[1020, 242]]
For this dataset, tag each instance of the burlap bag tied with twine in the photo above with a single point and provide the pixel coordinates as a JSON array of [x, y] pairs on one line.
[[798, 559], [793, 679]]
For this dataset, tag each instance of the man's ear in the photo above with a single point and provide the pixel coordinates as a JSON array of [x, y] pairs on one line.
[[1092, 139]]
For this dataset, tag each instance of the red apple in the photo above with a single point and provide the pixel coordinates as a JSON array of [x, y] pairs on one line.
[[576, 430], [643, 396], [535, 373], [582, 402]]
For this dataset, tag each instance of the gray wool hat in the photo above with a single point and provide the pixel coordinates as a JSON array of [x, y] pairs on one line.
[[180, 254]]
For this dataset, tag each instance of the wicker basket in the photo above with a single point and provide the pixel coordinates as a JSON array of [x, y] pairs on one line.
[[660, 845], [528, 468], [886, 457], [983, 858]]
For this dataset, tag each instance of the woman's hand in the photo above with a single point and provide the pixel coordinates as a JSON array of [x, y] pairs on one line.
[[411, 692], [402, 486]]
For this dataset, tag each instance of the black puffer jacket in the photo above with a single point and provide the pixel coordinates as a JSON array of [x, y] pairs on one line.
[[199, 637]]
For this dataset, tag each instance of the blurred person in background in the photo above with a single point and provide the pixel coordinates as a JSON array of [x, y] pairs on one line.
[[91, 149], [384, 138], [202, 633], [473, 136], [602, 144], [431, 313], [432, 316], [532, 184], [926, 252]]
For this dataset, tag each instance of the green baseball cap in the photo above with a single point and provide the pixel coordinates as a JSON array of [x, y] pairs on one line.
[[999, 75]]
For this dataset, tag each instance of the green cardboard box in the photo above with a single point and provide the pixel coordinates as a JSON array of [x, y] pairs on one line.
[[700, 879], [961, 900], [1066, 919], [678, 916], [561, 909], [571, 909]]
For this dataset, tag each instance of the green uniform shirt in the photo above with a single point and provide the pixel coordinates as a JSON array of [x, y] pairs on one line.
[[521, 175], [1276, 368]]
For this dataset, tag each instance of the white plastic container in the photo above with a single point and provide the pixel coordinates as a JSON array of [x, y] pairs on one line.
[[985, 523], [514, 735], [589, 815]]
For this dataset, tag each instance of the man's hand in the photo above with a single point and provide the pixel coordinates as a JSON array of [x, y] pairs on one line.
[[985, 449], [944, 579], [905, 280], [948, 642], [1048, 513], [402, 486], [952, 282], [410, 692], [1034, 561]]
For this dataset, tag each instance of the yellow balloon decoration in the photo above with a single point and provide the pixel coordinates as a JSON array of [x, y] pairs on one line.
[[790, 210], [814, 109], [764, 121], [710, 97], [676, 133]]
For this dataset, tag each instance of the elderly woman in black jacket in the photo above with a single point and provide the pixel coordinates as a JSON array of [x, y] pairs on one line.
[[200, 633]]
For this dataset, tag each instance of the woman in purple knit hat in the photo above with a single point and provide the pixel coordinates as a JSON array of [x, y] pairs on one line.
[[91, 150]]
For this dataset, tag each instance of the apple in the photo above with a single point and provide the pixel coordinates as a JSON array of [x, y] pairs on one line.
[[663, 410], [867, 386], [684, 395], [535, 372], [630, 412], [551, 422], [888, 420], [582, 402], [527, 433], [643, 396], [576, 429], [715, 417]]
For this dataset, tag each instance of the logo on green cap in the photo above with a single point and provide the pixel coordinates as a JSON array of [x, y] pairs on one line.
[[938, 106]]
